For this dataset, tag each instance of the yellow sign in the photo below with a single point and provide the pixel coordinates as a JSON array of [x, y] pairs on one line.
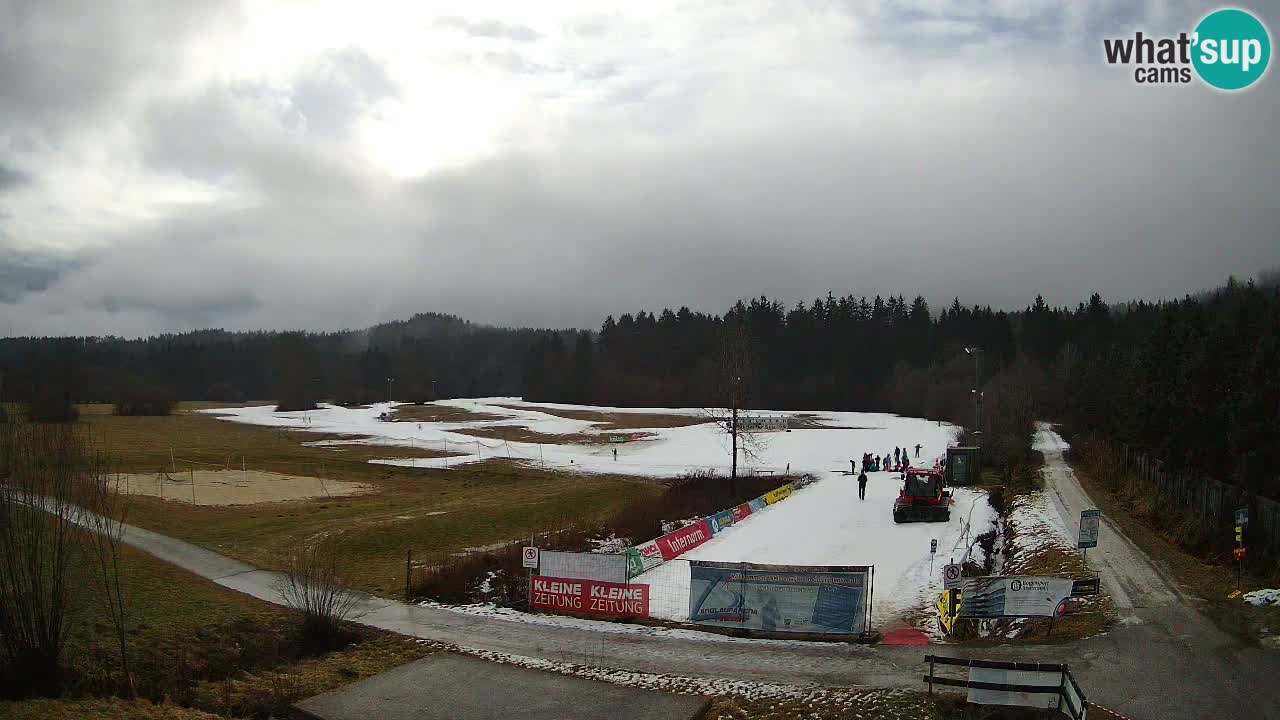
[[948, 609], [778, 495]]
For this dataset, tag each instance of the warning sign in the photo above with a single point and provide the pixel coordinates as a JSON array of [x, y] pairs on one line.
[[529, 558], [950, 577]]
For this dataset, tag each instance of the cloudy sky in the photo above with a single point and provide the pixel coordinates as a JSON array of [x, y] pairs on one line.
[[168, 165]]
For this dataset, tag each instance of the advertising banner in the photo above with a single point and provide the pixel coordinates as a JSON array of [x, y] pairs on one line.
[[778, 495], [585, 566], [779, 598], [643, 557], [675, 544], [741, 512], [720, 520], [1051, 680], [589, 597], [757, 504], [1014, 596]]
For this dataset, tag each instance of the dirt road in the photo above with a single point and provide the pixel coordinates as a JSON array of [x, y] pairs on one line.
[[1165, 660]]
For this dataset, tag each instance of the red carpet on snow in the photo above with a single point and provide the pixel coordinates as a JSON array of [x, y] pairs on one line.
[[904, 636]]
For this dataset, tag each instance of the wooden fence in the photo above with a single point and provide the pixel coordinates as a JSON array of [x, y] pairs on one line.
[[1216, 501]]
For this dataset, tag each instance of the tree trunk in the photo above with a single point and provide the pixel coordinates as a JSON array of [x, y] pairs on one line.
[[733, 431]]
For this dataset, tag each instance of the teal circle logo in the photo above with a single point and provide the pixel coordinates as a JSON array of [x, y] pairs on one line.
[[1232, 49]]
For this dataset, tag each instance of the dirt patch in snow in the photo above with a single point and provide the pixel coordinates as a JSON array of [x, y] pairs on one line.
[[617, 420]]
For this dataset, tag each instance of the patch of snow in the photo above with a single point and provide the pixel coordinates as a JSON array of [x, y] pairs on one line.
[[1263, 598]]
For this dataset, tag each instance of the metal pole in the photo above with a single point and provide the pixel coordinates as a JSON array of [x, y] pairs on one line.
[[408, 571], [871, 600]]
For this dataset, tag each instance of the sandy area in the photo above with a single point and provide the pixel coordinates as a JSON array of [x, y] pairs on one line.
[[234, 487]]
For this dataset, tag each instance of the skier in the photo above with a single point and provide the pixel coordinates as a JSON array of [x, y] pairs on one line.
[[615, 453], [896, 459], [917, 449], [862, 486]]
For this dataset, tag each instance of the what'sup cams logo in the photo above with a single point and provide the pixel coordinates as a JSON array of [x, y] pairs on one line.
[[1228, 50]]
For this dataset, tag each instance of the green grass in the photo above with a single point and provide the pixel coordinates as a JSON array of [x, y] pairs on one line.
[[431, 512]]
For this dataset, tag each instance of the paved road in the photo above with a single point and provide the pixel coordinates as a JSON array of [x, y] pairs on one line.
[[1168, 662], [1165, 660]]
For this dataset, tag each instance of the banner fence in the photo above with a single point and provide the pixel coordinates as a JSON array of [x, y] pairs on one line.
[[815, 600]]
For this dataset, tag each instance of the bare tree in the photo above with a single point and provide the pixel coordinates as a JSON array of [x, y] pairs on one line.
[[57, 504], [312, 584], [730, 382], [38, 545], [105, 519]]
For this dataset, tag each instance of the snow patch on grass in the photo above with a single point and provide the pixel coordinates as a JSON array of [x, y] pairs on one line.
[[1263, 598]]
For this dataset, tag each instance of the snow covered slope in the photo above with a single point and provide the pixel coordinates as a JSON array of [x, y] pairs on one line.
[[826, 524], [823, 524], [670, 452]]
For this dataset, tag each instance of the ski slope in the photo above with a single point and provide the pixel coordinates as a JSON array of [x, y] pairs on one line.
[[826, 524], [822, 524]]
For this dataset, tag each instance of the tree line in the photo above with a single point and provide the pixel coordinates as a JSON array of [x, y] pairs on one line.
[[1191, 381]]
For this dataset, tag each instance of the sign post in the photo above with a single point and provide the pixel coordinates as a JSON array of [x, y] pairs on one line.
[[933, 551], [950, 576], [529, 560], [1090, 520], [1242, 519]]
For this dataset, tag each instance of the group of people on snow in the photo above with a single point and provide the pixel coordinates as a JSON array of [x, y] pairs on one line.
[[874, 463]]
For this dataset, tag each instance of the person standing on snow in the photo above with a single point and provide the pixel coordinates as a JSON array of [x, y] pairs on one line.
[[896, 459], [917, 449], [862, 486]]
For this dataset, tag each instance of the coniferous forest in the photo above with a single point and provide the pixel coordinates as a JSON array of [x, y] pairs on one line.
[[1195, 382]]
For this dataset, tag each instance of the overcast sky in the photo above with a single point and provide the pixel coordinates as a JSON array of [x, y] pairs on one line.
[[170, 165]]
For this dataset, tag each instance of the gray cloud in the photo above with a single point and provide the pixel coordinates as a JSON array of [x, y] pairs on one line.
[[994, 172], [21, 274], [11, 178]]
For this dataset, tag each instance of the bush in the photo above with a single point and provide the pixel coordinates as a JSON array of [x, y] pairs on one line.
[[224, 392], [312, 585], [52, 406], [138, 398]]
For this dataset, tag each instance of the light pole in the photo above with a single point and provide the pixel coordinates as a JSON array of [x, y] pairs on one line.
[[976, 354], [390, 381]]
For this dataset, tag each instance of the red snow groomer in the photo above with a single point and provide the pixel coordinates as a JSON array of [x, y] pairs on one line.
[[922, 498]]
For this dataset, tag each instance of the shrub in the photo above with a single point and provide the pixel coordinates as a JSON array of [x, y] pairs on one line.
[[52, 406], [138, 398], [312, 584], [224, 392]]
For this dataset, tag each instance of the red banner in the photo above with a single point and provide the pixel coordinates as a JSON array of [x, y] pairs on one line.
[[741, 512], [675, 544], [589, 597]]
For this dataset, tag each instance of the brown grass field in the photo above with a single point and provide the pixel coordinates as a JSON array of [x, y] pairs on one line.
[[622, 420], [427, 511]]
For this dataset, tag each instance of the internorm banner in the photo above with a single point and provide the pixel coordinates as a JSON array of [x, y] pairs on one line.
[[779, 598], [674, 544]]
